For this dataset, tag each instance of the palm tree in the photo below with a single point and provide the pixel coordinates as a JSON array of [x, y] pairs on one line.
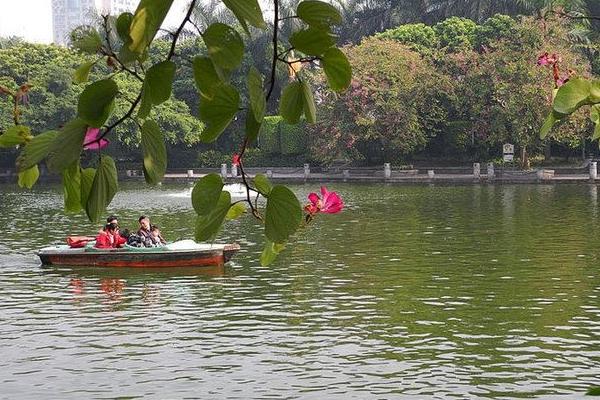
[[477, 10]]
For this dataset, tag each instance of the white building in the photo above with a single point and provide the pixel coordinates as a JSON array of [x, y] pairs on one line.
[[68, 14], [116, 7]]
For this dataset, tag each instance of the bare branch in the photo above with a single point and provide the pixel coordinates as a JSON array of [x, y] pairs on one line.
[[180, 29], [275, 42]]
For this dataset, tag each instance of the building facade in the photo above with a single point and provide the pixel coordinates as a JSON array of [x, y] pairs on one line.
[[69, 14], [116, 7]]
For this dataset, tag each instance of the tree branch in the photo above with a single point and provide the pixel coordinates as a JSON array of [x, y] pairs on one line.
[[180, 29], [275, 42]]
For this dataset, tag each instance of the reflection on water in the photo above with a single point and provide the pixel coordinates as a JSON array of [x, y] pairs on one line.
[[412, 292]]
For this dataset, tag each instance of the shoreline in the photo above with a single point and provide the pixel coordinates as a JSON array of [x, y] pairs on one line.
[[396, 178]]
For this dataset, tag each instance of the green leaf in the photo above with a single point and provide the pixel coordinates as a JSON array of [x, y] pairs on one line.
[[103, 189], [318, 14], [291, 104], [81, 74], [218, 112], [97, 102], [15, 135], [71, 179], [247, 11], [147, 19], [337, 69], [283, 214], [36, 150], [207, 226], [595, 114], [593, 391], [235, 211], [206, 77], [596, 134], [310, 110], [595, 117], [87, 180], [256, 92], [548, 124], [206, 193], [262, 184], [155, 152], [224, 44], [595, 92], [572, 95], [145, 105], [66, 146], [252, 127], [158, 84], [312, 41], [86, 39], [28, 177], [123, 25], [270, 252]]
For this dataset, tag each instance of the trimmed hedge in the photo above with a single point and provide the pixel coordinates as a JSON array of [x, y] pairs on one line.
[[278, 137]]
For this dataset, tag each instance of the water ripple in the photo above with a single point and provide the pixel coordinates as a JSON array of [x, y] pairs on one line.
[[412, 292]]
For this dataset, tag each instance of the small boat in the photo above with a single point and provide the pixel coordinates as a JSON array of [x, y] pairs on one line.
[[179, 254]]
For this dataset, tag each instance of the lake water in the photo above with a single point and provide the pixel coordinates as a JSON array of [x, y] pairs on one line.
[[411, 292]]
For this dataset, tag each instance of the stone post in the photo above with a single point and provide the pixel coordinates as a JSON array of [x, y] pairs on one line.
[[593, 171], [387, 170], [224, 171], [306, 171], [540, 175], [490, 171], [430, 174], [346, 174], [233, 170], [269, 173], [190, 173], [476, 170]]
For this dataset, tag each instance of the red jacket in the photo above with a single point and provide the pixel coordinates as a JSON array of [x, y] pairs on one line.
[[107, 240]]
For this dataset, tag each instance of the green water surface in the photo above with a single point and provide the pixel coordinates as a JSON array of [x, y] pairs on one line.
[[410, 292]]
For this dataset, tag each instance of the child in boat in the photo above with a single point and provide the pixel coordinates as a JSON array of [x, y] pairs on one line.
[[157, 240], [109, 238]]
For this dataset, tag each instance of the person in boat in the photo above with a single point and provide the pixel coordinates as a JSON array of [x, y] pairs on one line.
[[109, 238], [145, 233], [157, 239], [110, 220]]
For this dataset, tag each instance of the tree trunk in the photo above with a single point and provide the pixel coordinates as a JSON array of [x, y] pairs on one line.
[[548, 151], [524, 159]]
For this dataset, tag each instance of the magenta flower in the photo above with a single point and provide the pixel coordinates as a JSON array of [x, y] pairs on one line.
[[331, 203], [93, 141]]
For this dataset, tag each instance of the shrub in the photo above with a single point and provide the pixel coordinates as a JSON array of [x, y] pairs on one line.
[[456, 33], [279, 137], [419, 37], [212, 158]]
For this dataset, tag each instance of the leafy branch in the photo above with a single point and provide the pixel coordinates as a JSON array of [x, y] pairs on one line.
[[125, 50]]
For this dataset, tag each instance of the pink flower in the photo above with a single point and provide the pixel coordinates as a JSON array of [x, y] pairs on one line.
[[92, 140], [235, 160], [561, 81], [543, 59], [331, 203]]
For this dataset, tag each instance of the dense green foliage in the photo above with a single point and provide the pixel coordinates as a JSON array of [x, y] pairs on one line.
[[53, 96], [456, 89]]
